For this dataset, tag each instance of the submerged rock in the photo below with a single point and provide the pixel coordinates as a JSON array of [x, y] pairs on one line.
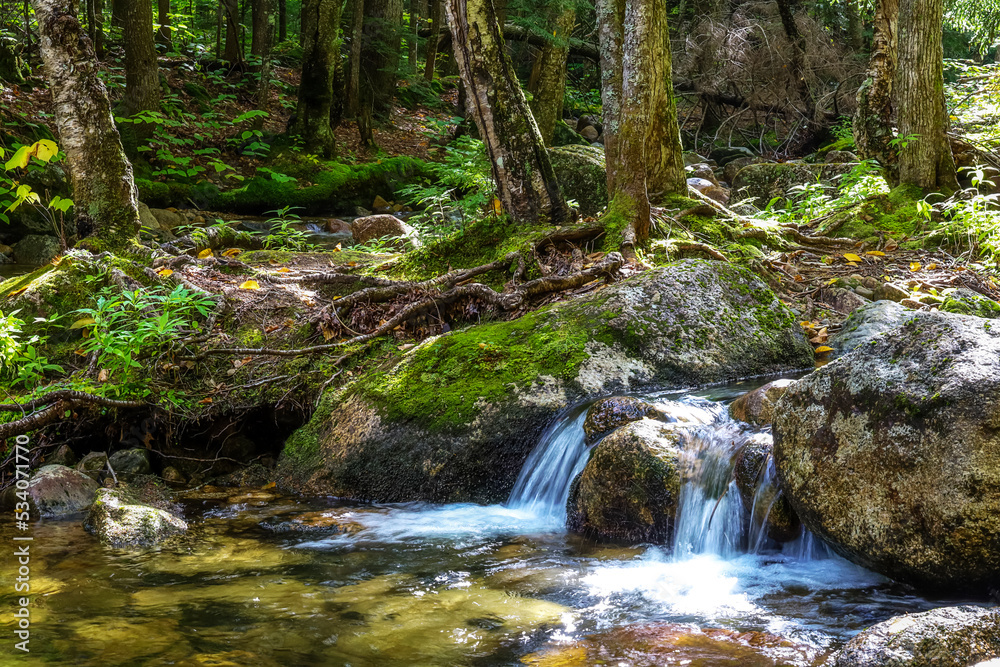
[[312, 522], [892, 452], [629, 489], [118, 520], [944, 637], [607, 414], [56, 490], [762, 500], [757, 406], [457, 415]]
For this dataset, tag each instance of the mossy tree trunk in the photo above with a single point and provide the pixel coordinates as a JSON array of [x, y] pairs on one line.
[[142, 76], [321, 52], [432, 41], [927, 160], [548, 77], [523, 173], [873, 120], [641, 136], [383, 30], [106, 204]]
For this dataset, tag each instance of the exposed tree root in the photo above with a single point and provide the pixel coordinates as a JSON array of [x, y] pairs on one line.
[[56, 402]]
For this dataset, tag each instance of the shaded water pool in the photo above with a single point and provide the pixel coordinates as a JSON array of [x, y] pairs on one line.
[[262, 579]]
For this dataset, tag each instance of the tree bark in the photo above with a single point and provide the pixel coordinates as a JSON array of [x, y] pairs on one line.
[[873, 120], [261, 37], [106, 203], [855, 27], [233, 52], [411, 37], [99, 29], [380, 53], [926, 161], [797, 69], [163, 33], [524, 176], [548, 80], [432, 40], [282, 20], [320, 29], [142, 77], [354, 58], [265, 44]]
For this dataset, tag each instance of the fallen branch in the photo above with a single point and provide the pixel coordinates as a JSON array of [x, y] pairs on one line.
[[33, 421], [69, 395], [702, 247]]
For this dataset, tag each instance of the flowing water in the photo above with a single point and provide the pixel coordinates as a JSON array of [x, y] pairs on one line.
[[267, 580]]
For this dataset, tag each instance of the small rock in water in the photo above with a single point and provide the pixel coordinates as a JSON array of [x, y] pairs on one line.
[[130, 462], [116, 519], [757, 406], [56, 490], [380, 205], [93, 464], [171, 474], [312, 522], [607, 414]]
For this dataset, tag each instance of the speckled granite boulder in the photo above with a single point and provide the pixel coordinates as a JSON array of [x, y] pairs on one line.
[[757, 406], [892, 452], [608, 414], [117, 520], [454, 418], [944, 637], [56, 490]]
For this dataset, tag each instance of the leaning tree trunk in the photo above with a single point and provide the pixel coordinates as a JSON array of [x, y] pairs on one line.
[[641, 137], [106, 203], [926, 160], [320, 29], [163, 35], [873, 119], [433, 40], [142, 76], [524, 176], [383, 30], [548, 80]]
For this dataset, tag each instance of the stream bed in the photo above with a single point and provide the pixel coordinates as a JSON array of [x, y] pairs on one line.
[[264, 579]]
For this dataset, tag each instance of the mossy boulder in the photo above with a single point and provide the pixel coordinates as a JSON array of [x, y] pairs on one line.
[[36, 249], [608, 414], [565, 135], [764, 181], [757, 406], [892, 452], [455, 417], [966, 302], [55, 490], [121, 522], [582, 175], [130, 462], [943, 637], [868, 322], [629, 489]]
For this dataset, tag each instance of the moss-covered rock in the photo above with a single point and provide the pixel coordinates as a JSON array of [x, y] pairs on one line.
[[564, 135], [131, 462], [455, 417], [119, 521], [581, 173], [55, 490], [892, 452], [767, 180], [944, 637], [757, 406], [36, 249], [868, 322], [607, 414], [629, 489], [966, 302]]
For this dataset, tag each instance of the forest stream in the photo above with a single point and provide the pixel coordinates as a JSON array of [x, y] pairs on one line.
[[264, 579]]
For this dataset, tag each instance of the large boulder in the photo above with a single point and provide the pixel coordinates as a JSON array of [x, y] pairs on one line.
[[944, 637], [766, 180], [36, 249], [56, 490], [455, 417], [868, 322], [757, 406], [629, 489], [582, 176], [120, 521], [373, 227], [892, 452]]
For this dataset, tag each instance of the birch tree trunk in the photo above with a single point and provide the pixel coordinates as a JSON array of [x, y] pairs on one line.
[[548, 81], [927, 160], [106, 203], [524, 176], [320, 29], [873, 120]]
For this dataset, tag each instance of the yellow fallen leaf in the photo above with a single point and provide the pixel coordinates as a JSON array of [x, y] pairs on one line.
[[250, 284], [914, 266], [165, 272], [931, 266], [851, 257], [232, 252], [103, 375], [852, 263], [482, 345], [207, 252], [823, 349], [828, 260], [19, 290], [82, 322], [875, 253], [497, 206], [336, 248], [269, 485], [284, 269]]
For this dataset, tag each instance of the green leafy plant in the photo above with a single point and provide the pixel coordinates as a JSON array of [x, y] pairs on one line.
[[283, 234]]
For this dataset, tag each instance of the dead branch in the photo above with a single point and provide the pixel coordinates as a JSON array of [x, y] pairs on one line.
[[69, 395], [702, 247], [34, 420]]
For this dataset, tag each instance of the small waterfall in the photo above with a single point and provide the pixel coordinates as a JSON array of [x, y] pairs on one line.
[[542, 487]]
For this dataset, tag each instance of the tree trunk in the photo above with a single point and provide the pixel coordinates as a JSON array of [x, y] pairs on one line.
[[265, 44], [262, 37], [142, 77], [797, 68], [99, 29], [873, 122], [163, 34], [233, 51], [432, 41], [380, 53], [354, 58], [925, 161], [411, 38], [855, 27], [106, 203], [641, 137], [524, 176], [282, 20], [549, 75], [320, 29]]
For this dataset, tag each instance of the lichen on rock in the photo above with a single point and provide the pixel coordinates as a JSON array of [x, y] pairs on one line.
[[120, 521]]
